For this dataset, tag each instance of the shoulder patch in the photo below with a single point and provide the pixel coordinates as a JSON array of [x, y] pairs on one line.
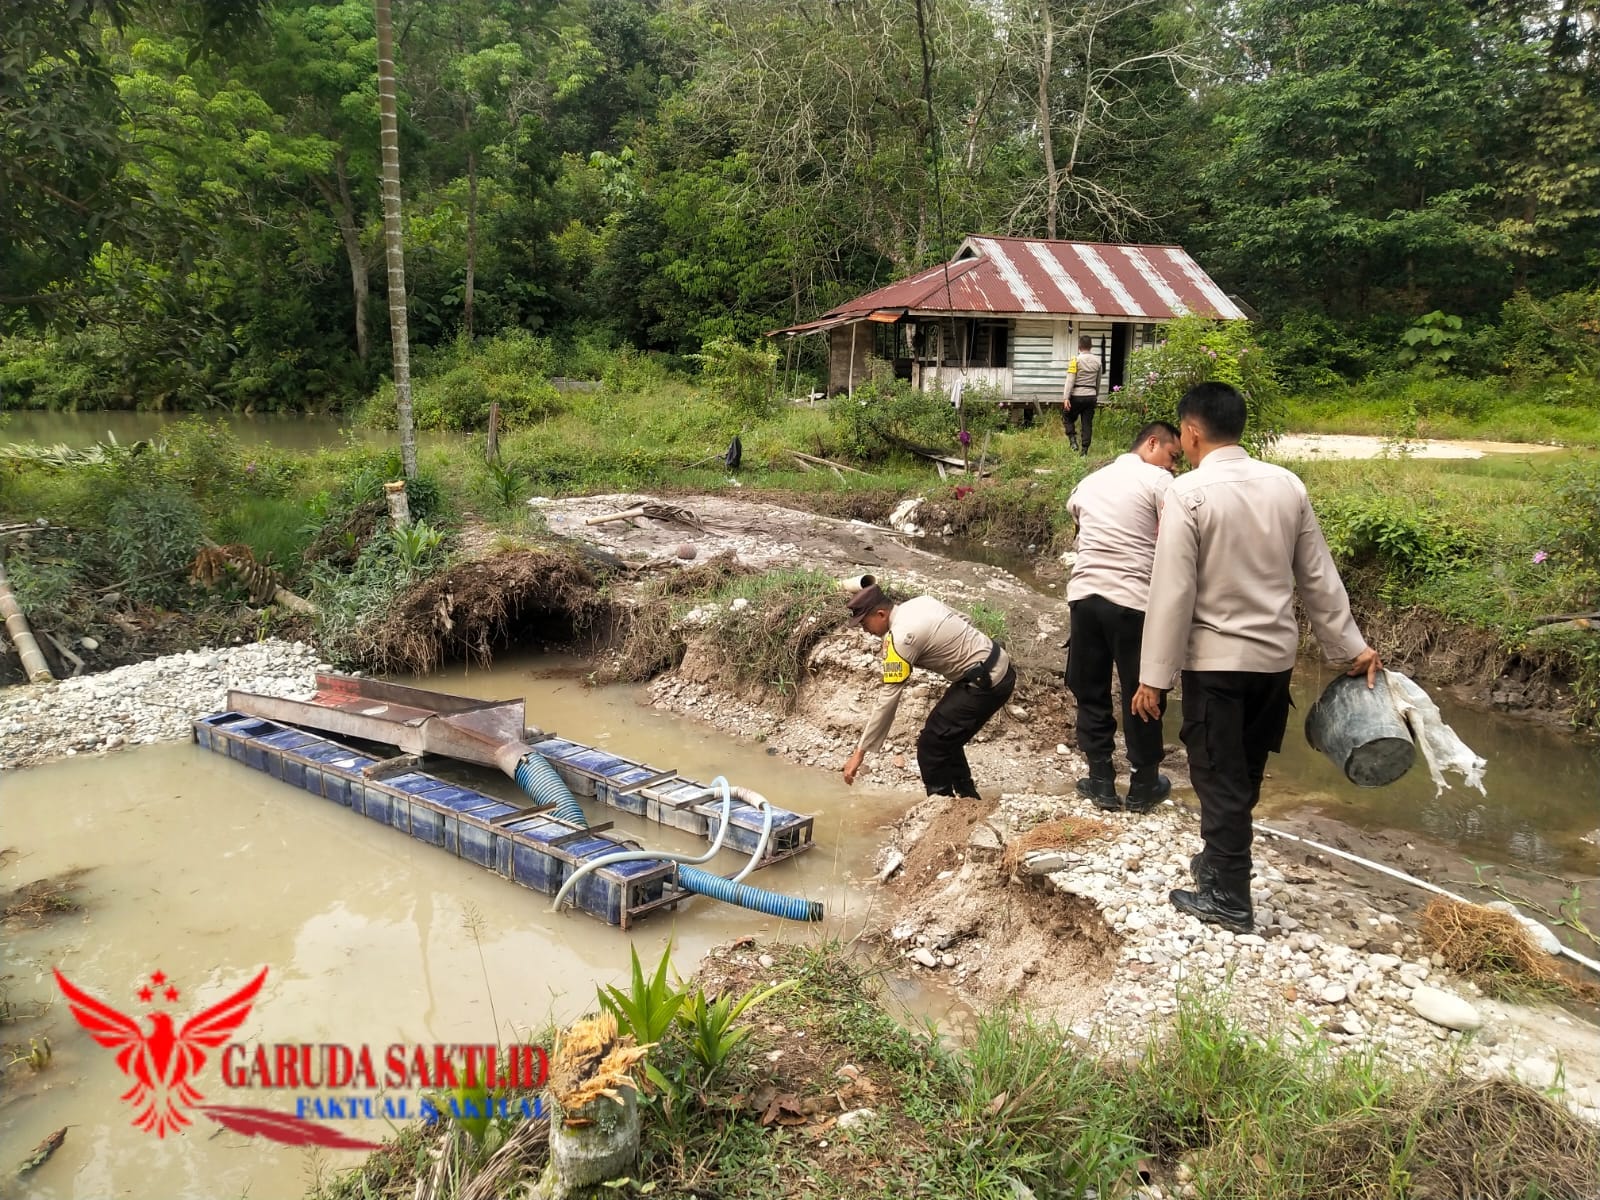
[[895, 668]]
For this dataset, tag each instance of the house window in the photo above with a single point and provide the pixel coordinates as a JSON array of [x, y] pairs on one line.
[[964, 342], [1061, 347]]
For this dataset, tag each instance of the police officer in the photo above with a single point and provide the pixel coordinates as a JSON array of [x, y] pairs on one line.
[[1237, 539], [1116, 510], [922, 632]]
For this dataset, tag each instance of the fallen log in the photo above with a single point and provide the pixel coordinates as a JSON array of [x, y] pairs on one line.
[[828, 462], [33, 663]]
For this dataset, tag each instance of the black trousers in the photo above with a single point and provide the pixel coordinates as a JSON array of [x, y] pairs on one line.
[[1231, 721], [1106, 636], [942, 745], [1081, 412]]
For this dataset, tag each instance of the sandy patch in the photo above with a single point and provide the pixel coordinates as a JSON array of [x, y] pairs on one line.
[[1351, 446]]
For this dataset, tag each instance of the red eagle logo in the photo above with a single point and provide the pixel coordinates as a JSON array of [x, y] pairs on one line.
[[162, 1062]]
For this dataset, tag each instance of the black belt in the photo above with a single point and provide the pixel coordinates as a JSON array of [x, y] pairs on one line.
[[980, 673]]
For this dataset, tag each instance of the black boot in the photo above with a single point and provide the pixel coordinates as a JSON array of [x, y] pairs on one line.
[[1219, 903], [1204, 876], [1101, 786], [1147, 789]]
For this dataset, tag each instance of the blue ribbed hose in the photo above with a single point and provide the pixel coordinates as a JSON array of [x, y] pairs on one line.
[[543, 783], [774, 904]]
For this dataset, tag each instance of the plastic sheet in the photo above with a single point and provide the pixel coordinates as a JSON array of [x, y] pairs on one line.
[[1440, 746]]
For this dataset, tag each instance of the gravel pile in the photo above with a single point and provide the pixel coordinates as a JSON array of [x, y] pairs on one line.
[[152, 701], [1330, 954]]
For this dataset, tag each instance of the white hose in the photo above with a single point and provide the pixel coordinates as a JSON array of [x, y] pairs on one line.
[[606, 860], [1403, 877]]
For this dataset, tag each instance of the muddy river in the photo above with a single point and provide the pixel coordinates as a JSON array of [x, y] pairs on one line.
[[204, 870]]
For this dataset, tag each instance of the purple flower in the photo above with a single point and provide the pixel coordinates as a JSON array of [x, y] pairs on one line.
[[1116, 387], [1539, 556], [250, 469], [964, 438]]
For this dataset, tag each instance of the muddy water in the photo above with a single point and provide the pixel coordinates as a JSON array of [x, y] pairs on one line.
[[1543, 790], [86, 428], [205, 870]]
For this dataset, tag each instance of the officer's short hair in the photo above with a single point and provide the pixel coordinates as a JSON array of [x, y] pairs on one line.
[[1217, 407], [1164, 430]]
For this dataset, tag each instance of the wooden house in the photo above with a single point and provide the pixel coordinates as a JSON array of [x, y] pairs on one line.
[[1005, 314]]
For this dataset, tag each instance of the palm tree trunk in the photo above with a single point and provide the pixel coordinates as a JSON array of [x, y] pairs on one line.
[[394, 247]]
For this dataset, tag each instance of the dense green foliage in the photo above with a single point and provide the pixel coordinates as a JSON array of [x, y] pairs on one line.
[[189, 212]]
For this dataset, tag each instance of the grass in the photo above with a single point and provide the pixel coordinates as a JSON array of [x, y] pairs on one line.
[[1025, 1108], [1560, 411]]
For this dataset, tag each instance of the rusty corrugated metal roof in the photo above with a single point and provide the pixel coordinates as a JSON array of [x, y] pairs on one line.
[[1030, 276]]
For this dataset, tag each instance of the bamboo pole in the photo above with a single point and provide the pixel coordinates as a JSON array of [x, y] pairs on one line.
[[33, 663]]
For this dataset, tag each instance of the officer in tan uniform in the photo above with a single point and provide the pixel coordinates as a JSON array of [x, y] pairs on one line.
[[1237, 538], [924, 633]]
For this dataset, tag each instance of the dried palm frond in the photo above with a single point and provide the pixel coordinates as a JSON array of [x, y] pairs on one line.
[[592, 1061]]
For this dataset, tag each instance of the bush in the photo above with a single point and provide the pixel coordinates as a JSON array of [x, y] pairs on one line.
[[740, 376], [152, 537], [1196, 351], [1546, 337], [879, 418], [455, 388], [1311, 351], [1404, 538], [1578, 527]]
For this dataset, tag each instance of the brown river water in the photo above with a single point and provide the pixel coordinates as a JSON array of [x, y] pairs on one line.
[[205, 870]]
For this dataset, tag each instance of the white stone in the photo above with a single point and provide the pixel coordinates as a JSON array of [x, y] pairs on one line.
[[89, 643], [1444, 1008], [767, 961], [1333, 994], [1045, 862], [855, 1117], [925, 956]]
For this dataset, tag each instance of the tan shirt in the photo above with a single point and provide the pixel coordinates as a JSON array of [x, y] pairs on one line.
[[1087, 381], [1117, 510], [1237, 537], [924, 633]]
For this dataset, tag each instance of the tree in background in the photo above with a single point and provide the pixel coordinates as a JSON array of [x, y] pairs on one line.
[[394, 239]]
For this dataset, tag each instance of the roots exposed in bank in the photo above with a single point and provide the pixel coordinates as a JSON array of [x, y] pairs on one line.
[[477, 608], [756, 630], [1052, 835]]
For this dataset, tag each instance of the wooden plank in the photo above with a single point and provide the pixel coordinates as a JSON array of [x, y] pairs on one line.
[[397, 765], [522, 814], [578, 834], [651, 781]]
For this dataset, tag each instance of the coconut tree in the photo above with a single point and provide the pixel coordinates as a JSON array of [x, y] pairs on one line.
[[389, 141]]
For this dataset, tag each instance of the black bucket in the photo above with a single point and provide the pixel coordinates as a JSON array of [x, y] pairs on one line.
[[1358, 728]]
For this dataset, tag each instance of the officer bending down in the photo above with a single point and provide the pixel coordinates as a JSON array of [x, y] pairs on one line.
[[925, 633]]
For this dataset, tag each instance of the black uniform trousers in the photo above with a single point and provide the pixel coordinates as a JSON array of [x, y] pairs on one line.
[[1105, 635], [1081, 412], [941, 746], [1231, 721]]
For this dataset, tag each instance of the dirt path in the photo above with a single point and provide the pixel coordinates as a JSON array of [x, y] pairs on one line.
[[1351, 445]]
